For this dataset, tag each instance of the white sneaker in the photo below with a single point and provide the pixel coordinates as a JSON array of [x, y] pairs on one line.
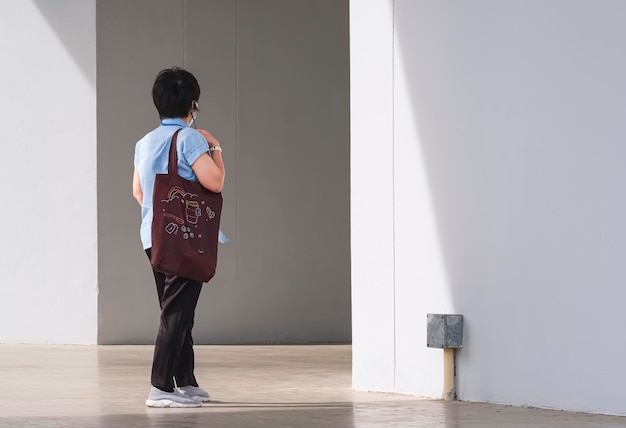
[[158, 398], [195, 392]]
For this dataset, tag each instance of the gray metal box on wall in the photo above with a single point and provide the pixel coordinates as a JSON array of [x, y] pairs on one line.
[[444, 331]]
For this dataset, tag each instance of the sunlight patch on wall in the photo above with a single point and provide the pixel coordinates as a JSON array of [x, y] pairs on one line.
[[419, 255]]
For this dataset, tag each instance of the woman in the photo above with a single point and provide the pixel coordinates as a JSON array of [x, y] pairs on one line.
[[175, 94]]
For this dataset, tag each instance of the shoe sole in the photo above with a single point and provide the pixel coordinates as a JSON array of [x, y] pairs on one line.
[[203, 399], [169, 403]]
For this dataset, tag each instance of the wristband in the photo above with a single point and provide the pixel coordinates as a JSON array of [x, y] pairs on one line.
[[215, 148]]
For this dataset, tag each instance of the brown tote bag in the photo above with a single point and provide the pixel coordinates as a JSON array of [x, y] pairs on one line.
[[185, 224]]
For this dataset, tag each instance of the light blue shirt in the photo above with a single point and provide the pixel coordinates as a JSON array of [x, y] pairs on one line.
[[151, 158]]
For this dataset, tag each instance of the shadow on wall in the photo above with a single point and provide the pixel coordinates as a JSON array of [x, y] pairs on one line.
[[61, 16], [519, 121]]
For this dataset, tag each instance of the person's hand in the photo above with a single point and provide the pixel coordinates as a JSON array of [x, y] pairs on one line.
[[209, 138]]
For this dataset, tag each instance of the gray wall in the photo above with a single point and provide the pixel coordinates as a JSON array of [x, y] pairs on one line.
[[275, 90]]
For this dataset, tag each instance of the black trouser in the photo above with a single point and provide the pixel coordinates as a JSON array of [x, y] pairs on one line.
[[173, 350]]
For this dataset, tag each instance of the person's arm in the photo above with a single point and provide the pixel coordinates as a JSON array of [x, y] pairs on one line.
[[137, 192], [210, 169]]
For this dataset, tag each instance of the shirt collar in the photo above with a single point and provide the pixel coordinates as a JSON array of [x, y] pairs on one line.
[[173, 122]]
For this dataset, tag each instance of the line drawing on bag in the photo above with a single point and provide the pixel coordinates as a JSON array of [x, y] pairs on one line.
[[210, 212], [192, 210], [192, 206], [178, 192], [178, 219], [171, 228]]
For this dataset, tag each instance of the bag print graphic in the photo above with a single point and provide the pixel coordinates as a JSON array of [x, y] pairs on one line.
[[193, 211], [193, 214], [185, 224]]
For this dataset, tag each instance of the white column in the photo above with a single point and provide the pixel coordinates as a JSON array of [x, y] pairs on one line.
[[371, 163]]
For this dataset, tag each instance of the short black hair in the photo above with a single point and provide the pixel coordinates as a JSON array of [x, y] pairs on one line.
[[173, 92]]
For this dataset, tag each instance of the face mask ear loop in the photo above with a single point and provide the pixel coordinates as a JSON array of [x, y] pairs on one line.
[[194, 109]]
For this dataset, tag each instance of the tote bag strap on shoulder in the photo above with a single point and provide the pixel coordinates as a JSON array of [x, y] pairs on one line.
[[172, 165]]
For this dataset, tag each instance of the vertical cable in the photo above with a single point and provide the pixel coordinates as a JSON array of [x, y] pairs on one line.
[[185, 34], [393, 181], [236, 151]]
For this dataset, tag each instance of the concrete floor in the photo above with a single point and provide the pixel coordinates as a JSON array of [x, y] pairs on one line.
[[253, 386]]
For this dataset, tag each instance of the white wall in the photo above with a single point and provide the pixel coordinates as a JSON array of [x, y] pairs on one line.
[[371, 200], [48, 245], [507, 203]]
